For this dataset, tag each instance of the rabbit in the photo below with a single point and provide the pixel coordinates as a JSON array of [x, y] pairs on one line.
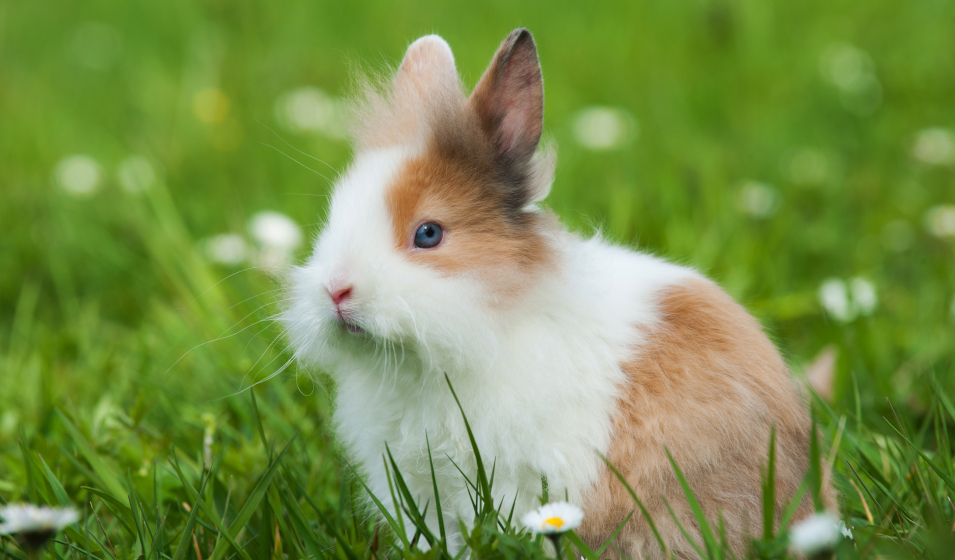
[[439, 260]]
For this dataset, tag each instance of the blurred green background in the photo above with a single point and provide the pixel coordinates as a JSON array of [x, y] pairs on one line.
[[801, 153]]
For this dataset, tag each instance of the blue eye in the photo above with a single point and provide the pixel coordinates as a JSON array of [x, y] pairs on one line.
[[428, 236]]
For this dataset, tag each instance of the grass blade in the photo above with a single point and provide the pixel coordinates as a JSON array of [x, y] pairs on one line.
[[190, 526], [417, 517], [587, 552], [485, 485], [437, 496], [709, 539], [58, 491], [769, 489], [395, 526], [643, 510], [613, 536], [110, 481], [251, 503]]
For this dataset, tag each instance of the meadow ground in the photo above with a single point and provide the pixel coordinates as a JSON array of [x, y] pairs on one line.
[[801, 153]]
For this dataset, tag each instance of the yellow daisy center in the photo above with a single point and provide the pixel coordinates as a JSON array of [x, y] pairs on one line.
[[554, 522]]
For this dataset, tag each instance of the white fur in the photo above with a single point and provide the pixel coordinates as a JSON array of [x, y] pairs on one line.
[[537, 380]]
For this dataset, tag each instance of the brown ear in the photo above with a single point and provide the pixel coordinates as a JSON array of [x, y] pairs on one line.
[[509, 99], [427, 68]]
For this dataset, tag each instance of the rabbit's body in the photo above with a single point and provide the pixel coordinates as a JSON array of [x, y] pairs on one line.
[[559, 347], [539, 396]]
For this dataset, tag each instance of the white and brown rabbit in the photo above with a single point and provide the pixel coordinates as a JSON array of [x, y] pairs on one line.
[[437, 258]]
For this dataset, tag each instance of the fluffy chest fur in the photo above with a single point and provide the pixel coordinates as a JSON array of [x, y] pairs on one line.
[[542, 401]]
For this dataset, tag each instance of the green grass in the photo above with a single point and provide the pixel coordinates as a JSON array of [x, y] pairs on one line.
[[113, 363]]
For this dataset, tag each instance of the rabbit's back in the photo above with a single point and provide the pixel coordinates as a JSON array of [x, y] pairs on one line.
[[707, 385]]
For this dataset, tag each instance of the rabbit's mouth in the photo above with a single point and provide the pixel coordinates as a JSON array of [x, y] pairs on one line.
[[345, 320]]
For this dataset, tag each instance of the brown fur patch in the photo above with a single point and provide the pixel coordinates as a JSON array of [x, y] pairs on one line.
[[707, 385], [482, 234], [478, 170]]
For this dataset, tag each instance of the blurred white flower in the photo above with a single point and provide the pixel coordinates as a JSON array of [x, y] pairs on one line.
[[845, 531], [852, 71], [940, 220], [553, 518], [807, 166], [846, 66], [934, 146], [135, 174], [834, 298], [277, 236], [757, 199], [898, 235], [817, 533], [209, 420], [33, 525], [310, 110], [227, 248], [96, 45], [8, 422], [844, 302], [864, 297], [272, 261], [604, 128], [274, 230], [79, 175]]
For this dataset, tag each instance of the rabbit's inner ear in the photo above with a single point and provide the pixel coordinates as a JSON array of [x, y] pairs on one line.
[[509, 99], [427, 69]]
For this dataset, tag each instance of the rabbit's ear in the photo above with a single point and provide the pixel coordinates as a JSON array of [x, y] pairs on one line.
[[427, 68], [509, 99]]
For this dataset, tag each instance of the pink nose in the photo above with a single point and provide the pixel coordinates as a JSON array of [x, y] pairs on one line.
[[339, 296]]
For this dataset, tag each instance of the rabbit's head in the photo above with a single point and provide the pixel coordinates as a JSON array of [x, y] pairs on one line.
[[433, 237]]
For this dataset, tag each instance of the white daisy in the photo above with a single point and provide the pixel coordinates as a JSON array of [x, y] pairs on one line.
[[757, 199], [934, 146], [274, 230], [863, 295], [309, 110], [553, 518], [277, 237], [79, 175], [940, 221], [817, 533], [33, 525], [853, 72], [834, 297], [604, 128], [226, 248], [844, 301]]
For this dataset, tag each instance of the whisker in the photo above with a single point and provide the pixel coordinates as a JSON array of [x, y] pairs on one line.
[[297, 375], [223, 336], [270, 376], [280, 336], [256, 296], [297, 161], [256, 335], [246, 269], [294, 148], [267, 348]]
